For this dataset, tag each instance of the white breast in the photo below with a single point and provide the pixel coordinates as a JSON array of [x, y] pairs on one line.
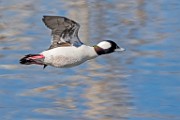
[[68, 56]]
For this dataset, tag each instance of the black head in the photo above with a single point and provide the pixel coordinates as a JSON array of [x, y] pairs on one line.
[[106, 47]]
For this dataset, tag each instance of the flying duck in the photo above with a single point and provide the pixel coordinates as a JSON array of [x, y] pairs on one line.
[[66, 49]]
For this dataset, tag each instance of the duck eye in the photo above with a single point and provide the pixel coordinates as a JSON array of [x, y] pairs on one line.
[[117, 47]]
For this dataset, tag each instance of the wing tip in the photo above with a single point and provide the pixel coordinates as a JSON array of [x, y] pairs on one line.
[[44, 17]]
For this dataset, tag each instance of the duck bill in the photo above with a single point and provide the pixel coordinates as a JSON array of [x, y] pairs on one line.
[[119, 50]]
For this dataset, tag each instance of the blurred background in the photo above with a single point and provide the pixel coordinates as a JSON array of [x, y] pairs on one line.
[[142, 83]]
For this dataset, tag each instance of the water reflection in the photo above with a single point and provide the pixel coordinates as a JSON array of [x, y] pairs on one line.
[[87, 94], [133, 85], [106, 103]]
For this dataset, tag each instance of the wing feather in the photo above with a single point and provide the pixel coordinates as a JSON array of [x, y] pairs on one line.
[[64, 31]]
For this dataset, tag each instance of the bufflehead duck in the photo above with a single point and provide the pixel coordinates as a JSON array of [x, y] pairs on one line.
[[66, 49]]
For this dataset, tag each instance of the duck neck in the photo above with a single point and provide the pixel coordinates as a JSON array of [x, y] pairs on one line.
[[99, 50], [89, 52]]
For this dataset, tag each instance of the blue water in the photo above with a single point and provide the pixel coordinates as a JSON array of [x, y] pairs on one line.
[[142, 83]]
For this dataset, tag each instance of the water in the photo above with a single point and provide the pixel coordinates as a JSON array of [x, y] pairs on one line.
[[142, 83]]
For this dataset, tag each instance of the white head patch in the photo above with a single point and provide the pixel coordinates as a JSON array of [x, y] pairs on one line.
[[104, 45]]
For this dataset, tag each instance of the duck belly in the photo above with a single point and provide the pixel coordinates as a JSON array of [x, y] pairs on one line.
[[68, 56], [62, 61]]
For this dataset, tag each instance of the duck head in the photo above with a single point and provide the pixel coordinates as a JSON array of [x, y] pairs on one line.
[[106, 47]]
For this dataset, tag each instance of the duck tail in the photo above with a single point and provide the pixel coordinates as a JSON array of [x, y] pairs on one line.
[[32, 59]]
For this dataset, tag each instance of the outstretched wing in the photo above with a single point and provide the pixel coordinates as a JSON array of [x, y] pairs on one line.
[[64, 31]]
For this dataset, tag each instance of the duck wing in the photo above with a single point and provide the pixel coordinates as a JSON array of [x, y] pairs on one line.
[[64, 31]]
